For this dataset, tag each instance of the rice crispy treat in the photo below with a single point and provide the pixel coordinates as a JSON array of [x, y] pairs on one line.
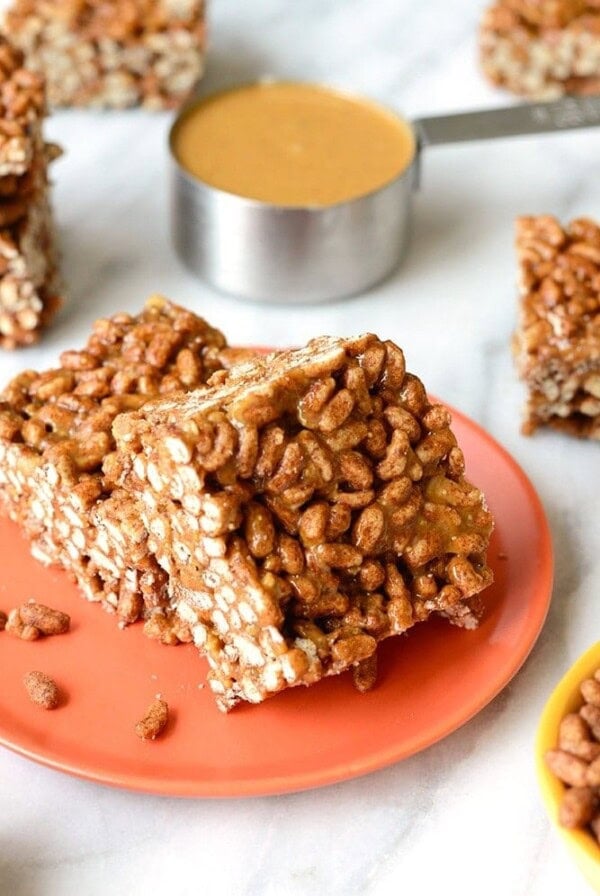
[[305, 506], [29, 277], [542, 48], [557, 343], [112, 53], [55, 432]]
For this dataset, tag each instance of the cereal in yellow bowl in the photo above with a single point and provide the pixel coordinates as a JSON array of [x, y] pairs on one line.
[[568, 761]]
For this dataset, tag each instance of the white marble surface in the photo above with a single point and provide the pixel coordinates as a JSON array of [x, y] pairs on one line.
[[464, 816]]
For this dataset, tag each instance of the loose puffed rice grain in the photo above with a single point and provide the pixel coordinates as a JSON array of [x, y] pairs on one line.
[[42, 690], [155, 720]]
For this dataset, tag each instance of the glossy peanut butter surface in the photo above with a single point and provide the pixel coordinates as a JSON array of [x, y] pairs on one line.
[[292, 144]]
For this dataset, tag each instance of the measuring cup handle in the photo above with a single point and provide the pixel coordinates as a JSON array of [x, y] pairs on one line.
[[529, 118]]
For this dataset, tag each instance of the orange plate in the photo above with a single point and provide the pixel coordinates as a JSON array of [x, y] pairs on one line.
[[431, 680]]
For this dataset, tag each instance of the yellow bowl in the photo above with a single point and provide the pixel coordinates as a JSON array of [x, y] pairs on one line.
[[566, 698]]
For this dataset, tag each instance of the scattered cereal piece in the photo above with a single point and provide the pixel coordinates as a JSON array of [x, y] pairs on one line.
[[45, 619], [364, 674], [42, 690], [15, 626], [3, 620], [153, 723]]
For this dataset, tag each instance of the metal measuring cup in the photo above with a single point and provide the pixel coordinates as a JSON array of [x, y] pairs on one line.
[[281, 254]]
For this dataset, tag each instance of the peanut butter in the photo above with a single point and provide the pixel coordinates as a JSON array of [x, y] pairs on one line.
[[292, 144]]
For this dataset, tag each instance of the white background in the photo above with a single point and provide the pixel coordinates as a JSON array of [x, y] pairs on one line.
[[465, 815]]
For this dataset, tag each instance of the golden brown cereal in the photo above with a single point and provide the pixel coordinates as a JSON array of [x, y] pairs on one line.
[[15, 626], [590, 691], [364, 674], [575, 737], [576, 762], [577, 807], [591, 714], [570, 769], [42, 690], [593, 772], [45, 619], [155, 720]]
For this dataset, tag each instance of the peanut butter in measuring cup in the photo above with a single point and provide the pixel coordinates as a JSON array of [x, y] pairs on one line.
[[292, 144]]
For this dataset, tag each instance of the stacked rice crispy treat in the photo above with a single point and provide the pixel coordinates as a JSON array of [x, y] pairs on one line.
[[304, 507], [542, 48], [29, 278], [55, 433], [557, 343], [112, 53]]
